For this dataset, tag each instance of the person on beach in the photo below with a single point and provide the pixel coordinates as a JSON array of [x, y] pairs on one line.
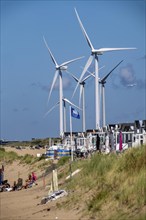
[[2, 175], [14, 186], [34, 178], [1, 180], [98, 143]]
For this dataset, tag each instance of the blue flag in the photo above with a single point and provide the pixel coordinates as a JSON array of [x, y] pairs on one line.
[[75, 113]]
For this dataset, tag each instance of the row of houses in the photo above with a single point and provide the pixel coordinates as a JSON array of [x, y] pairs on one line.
[[131, 134]]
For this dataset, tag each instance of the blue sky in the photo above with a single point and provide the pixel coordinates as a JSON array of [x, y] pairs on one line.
[[27, 70]]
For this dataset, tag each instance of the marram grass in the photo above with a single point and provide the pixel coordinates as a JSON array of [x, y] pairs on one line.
[[113, 186]]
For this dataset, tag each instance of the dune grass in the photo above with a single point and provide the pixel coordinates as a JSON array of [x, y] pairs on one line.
[[8, 157], [111, 186]]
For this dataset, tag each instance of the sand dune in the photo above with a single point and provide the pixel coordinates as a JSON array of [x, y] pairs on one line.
[[27, 150], [25, 204]]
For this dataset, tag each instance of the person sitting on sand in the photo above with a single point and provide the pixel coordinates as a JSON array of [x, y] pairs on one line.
[[34, 178], [5, 186], [28, 181], [14, 186]]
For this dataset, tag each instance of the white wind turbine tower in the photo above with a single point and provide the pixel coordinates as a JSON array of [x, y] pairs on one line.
[[94, 55], [102, 82], [82, 93], [58, 73]]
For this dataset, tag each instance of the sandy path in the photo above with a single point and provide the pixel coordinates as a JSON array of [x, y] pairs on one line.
[[23, 204]]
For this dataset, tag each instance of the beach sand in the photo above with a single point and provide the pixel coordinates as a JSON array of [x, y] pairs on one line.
[[25, 204]]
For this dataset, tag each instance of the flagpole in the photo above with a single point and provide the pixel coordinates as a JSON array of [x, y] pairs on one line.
[[71, 135]]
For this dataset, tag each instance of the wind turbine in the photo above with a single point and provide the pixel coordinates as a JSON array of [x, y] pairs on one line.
[[94, 55], [58, 73], [65, 100], [82, 93], [102, 82]]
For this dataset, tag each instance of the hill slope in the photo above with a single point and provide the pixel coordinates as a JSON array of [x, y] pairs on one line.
[[108, 187]]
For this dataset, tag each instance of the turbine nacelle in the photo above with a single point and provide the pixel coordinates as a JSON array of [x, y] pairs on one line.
[[101, 82], [97, 52], [63, 67]]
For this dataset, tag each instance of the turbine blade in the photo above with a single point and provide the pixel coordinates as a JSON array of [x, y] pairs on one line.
[[51, 109], [75, 78], [84, 32], [84, 71], [93, 72], [80, 96], [86, 67], [70, 61], [53, 83], [101, 67], [69, 102], [83, 80], [102, 50], [52, 57], [104, 78]]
